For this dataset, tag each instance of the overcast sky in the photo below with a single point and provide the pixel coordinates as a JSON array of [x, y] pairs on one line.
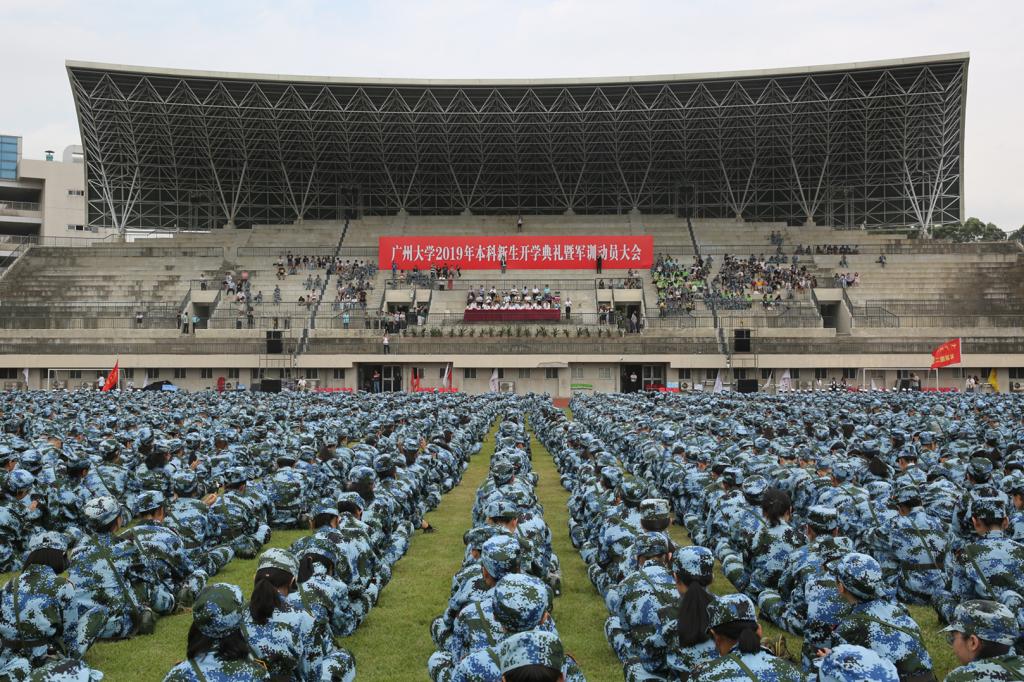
[[526, 38]]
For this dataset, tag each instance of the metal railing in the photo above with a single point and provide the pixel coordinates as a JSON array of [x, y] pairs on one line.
[[609, 319], [19, 205], [59, 321], [679, 320], [549, 345], [853, 345], [275, 251]]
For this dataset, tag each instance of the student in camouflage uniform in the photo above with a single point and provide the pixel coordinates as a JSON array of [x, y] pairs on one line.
[[282, 635], [190, 517], [217, 652], [876, 621], [110, 573], [982, 634], [732, 621], [239, 516], [39, 619], [16, 508]]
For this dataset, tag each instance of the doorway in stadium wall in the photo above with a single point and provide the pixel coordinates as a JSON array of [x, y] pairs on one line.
[[380, 378], [633, 378]]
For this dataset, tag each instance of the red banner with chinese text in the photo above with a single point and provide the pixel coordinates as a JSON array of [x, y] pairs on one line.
[[946, 354], [576, 252]]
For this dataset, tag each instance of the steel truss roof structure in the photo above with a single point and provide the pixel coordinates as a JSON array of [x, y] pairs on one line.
[[879, 143]]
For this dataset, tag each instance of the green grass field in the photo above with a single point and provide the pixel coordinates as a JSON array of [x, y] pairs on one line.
[[394, 641]]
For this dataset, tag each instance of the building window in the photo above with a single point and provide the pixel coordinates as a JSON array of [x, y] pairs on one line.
[[76, 192], [255, 374], [738, 374], [903, 374], [765, 373], [129, 373], [75, 374], [8, 373], [74, 227], [153, 373], [501, 374], [233, 373], [551, 373], [794, 374], [339, 374], [576, 372], [469, 373], [604, 372], [312, 373], [820, 373], [849, 372], [180, 373], [710, 374], [205, 373], [684, 374], [1017, 372], [524, 372]]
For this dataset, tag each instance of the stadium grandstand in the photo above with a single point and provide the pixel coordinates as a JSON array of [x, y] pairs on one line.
[[760, 230]]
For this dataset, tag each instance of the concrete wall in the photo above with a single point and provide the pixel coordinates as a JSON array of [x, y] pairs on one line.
[[59, 209]]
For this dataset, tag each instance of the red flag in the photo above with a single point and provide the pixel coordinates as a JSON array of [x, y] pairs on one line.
[[111, 381], [946, 354]]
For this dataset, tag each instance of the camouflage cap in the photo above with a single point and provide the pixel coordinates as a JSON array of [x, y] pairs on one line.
[[500, 556], [184, 481], [1013, 484], [754, 487], [149, 500], [989, 504], [732, 475], [987, 620], [861, 575], [502, 472], [236, 476], [383, 463], [848, 663], [19, 480], [980, 468], [351, 498], [475, 538], [654, 509], [652, 544], [729, 608], [822, 519], [319, 546], [325, 508], [905, 493], [534, 647], [520, 601], [101, 511], [361, 474], [48, 539], [633, 490], [500, 507], [218, 610], [693, 563], [278, 558], [613, 475]]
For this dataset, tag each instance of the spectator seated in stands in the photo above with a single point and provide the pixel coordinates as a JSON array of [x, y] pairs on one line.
[[513, 299], [738, 279], [679, 286], [846, 279]]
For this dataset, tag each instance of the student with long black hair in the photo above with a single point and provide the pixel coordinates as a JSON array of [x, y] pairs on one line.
[[732, 622], [693, 569], [773, 542], [216, 648]]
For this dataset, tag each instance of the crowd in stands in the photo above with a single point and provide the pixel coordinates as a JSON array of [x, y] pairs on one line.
[[738, 280], [679, 286], [513, 299], [630, 281], [847, 279], [354, 281]]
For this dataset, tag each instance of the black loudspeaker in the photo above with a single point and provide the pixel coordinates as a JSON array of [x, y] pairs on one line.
[[275, 347], [270, 385], [741, 341], [746, 385]]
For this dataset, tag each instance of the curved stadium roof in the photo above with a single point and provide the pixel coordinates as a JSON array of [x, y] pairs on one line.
[[879, 143]]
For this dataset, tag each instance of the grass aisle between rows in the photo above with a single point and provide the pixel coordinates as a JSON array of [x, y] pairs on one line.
[[394, 643], [580, 612]]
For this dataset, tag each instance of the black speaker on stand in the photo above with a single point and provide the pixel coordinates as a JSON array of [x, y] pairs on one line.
[[275, 346], [746, 385], [741, 341], [270, 385]]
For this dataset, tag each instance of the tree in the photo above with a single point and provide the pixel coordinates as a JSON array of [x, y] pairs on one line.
[[1017, 235], [973, 230]]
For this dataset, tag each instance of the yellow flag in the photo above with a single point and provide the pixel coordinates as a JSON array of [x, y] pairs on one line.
[[993, 380]]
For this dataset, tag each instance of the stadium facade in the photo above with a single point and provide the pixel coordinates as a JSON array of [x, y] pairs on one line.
[[874, 144]]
